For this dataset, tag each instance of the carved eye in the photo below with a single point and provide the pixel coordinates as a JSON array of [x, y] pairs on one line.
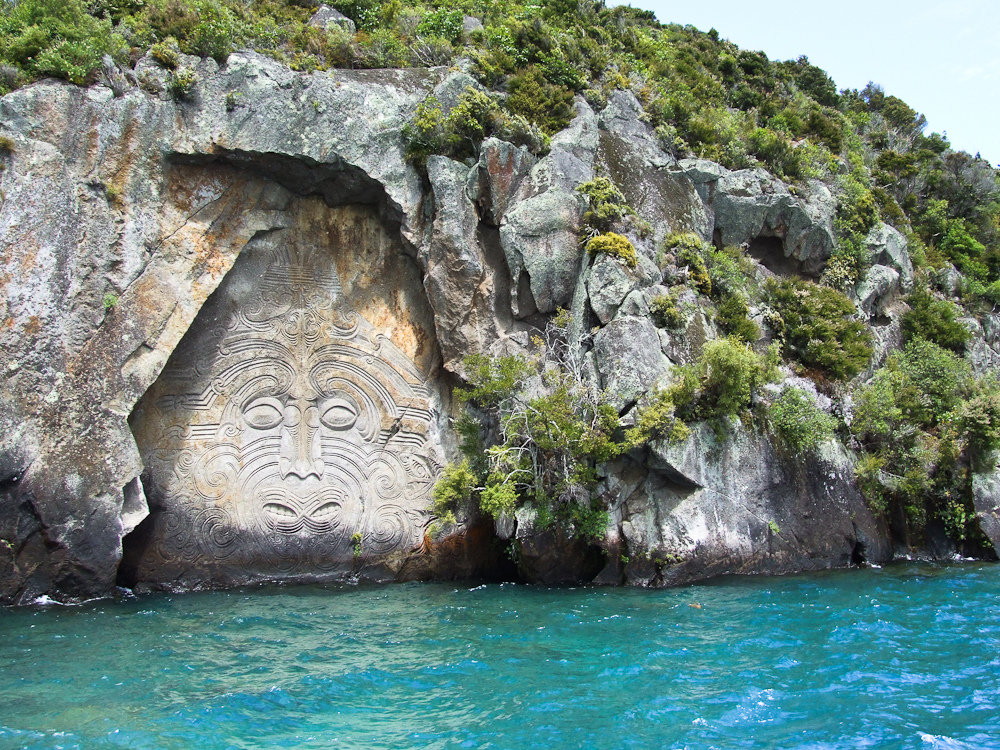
[[263, 413], [338, 414]]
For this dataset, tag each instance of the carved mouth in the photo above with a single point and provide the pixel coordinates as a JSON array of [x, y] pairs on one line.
[[318, 513]]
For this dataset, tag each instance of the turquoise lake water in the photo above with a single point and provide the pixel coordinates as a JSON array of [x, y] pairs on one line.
[[903, 657]]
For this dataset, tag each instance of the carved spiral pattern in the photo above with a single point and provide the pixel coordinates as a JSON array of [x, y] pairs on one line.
[[305, 426], [389, 529]]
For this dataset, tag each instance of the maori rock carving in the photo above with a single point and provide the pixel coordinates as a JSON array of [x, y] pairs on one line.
[[283, 428]]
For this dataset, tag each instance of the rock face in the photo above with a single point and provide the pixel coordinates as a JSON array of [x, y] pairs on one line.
[[120, 218], [232, 324], [294, 427], [986, 497], [742, 506], [785, 232]]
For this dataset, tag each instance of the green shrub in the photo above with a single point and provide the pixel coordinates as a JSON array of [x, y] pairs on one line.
[[878, 420], [381, 48], [459, 132], [934, 320], [606, 203], [166, 53], [776, 151], [214, 33], [923, 421], [549, 105], [868, 471], [730, 372], [665, 312], [182, 83], [54, 37], [498, 497], [453, 490], [978, 421], [493, 380], [689, 251], [443, 23], [934, 381], [656, 420], [614, 245], [721, 383], [820, 331], [964, 250], [733, 319], [7, 146], [798, 422], [731, 272]]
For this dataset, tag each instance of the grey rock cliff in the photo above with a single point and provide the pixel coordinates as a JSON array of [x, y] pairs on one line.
[[232, 324]]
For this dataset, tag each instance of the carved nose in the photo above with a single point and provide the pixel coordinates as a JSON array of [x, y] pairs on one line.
[[301, 468], [301, 452]]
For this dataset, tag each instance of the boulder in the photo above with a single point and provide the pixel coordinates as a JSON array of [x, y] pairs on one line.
[[887, 247], [630, 154], [326, 17], [986, 498], [950, 280], [610, 280], [741, 504], [502, 178], [628, 357], [539, 216], [878, 290], [539, 239], [459, 282]]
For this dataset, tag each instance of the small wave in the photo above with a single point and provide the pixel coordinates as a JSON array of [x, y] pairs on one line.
[[940, 742]]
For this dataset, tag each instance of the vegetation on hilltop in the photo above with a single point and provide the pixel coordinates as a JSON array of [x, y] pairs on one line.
[[705, 96]]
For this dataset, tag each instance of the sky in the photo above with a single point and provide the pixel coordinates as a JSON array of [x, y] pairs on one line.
[[941, 58]]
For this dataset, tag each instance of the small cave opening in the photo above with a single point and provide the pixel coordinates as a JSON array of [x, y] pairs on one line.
[[769, 251], [134, 546], [858, 555]]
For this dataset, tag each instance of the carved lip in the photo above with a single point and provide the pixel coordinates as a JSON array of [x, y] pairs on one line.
[[318, 513]]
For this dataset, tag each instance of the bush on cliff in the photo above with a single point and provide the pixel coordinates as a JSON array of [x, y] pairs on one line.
[[54, 37], [798, 422], [458, 132], [820, 331], [721, 384], [925, 423], [687, 252], [935, 320], [614, 245], [534, 431]]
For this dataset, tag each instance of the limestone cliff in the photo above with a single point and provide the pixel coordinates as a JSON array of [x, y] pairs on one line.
[[232, 325]]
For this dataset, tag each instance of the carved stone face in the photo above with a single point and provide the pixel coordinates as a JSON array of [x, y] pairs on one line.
[[288, 427]]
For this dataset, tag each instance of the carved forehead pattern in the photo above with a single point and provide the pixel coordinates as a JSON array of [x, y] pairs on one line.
[[289, 426]]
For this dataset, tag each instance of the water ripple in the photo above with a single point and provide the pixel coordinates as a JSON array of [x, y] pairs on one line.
[[902, 657]]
